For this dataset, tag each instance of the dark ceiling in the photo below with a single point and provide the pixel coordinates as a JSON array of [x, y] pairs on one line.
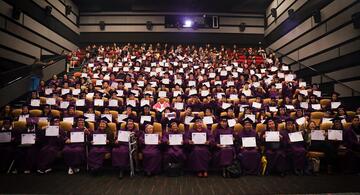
[[228, 6]]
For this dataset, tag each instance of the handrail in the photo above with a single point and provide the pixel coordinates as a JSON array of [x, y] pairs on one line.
[[319, 73], [13, 75]]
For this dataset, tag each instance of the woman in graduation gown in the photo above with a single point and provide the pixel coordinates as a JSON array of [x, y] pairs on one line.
[[97, 152], [120, 152], [352, 144], [26, 155], [199, 156], [51, 147], [151, 153], [275, 151], [74, 153], [250, 158], [7, 149], [296, 151], [173, 154], [224, 154]]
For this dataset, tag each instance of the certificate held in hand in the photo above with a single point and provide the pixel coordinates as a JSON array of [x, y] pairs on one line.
[[198, 138], [28, 138], [99, 139], [296, 137], [272, 136], [152, 139], [52, 131], [248, 142], [336, 135], [77, 137], [226, 139], [123, 136], [5, 137], [175, 139], [318, 135]]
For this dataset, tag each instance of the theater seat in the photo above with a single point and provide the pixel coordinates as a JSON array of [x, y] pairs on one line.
[[325, 126], [260, 127], [55, 113], [281, 126], [326, 102], [16, 112], [42, 100], [351, 113], [66, 126], [315, 154], [18, 125], [347, 125], [182, 127], [90, 125], [114, 114], [112, 127], [213, 127], [35, 113], [42, 124], [238, 128], [79, 113], [157, 128], [317, 116]]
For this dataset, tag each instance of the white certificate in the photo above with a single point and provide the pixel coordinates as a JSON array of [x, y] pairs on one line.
[[114, 85], [162, 94], [35, 102], [89, 117], [212, 75], [98, 102], [64, 104], [65, 91], [80, 102], [113, 103], [226, 139], [122, 117], [208, 120], [176, 93], [233, 96], [302, 84], [272, 136], [123, 136], [131, 103], [316, 106], [144, 102], [52, 131], [335, 134], [318, 135], [296, 137], [152, 139], [128, 85], [76, 91], [191, 83], [251, 117], [304, 105], [99, 139], [108, 116], [304, 92], [248, 142], [290, 107], [28, 138], [278, 85], [165, 81], [273, 109], [301, 120], [77, 137], [193, 92], [188, 119], [69, 119], [335, 105], [179, 105], [5, 137], [317, 93], [225, 105], [204, 93], [119, 93], [231, 122], [145, 118], [98, 82], [90, 95], [198, 138], [175, 139], [48, 91], [50, 101]]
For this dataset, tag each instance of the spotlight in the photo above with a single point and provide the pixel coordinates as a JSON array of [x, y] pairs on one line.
[[187, 24]]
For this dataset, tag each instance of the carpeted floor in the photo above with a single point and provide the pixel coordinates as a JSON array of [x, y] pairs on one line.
[[60, 183]]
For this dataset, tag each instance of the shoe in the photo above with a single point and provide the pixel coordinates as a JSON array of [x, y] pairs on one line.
[[76, 170], [121, 175], [205, 174], [48, 170], [70, 171], [40, 171], [27, 172]]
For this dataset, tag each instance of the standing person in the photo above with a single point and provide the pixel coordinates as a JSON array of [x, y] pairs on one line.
[[51, 147], [36, 72], [199, 156], [7, 149], [250, 158], [74, 153], [97, 152]]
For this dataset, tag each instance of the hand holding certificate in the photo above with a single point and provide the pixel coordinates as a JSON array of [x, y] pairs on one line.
[[318, 135], [152, 139], [272, 136], [336, 135], [175, 139], [5, 137], [52, 131], [296, 137], [198, 138], [28, 138], [123, 136], [77, 137], [248, 142], [227, 139], [99, 139]]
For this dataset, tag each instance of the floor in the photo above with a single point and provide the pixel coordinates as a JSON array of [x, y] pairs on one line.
[[108, 183]]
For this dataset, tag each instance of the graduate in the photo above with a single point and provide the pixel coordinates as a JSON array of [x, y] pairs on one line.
[[274, 151], [26, 154], [250, 158], [120, 152], [224, 154], [151, 152], [75, 153], [352, 144], [296, 151], [7, 148], [199, 156], [173, 154], [51, 146], [97, 152]]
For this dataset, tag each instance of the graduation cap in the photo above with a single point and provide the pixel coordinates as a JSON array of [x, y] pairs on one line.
[[247, 120], [172, 121], [336, 118], [289, 120], [269, 119], [145, 106], [146, 123], [196, 119], [224, 118], [104, 119], [130, 106], [80, 118], [54, 118], [336, 93], [7, 119]]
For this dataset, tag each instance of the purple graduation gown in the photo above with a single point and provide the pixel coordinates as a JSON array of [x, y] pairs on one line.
[[296, 152], [151, 156], [74, 153], [250, 158], [120, 153], [223, 156], [199, 156], [172, 154], [50, 150], [352, 157], [97, 153], [276, 155], [7, 152]]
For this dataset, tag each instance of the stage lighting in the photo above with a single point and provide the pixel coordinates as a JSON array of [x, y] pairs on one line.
[[187, 24]]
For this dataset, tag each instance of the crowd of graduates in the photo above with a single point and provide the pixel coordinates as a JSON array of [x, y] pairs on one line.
[[192, 108]]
